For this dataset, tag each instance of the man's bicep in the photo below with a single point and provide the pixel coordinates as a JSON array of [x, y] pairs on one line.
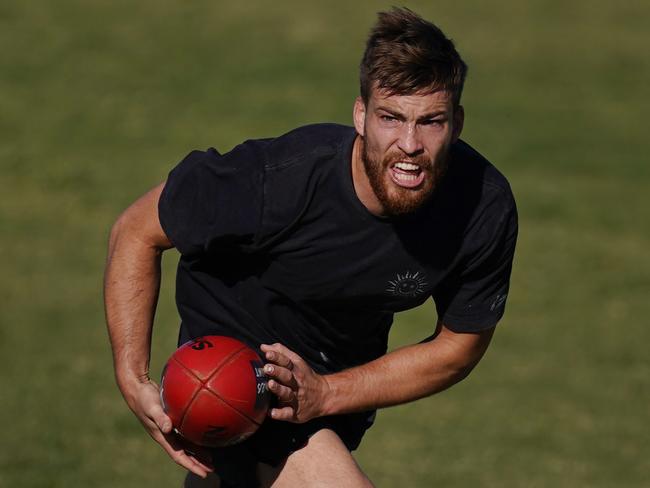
[[140, 221], [471, 346], [478, 338]]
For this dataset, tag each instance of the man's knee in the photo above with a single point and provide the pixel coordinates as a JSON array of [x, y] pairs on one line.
[[324, 461]]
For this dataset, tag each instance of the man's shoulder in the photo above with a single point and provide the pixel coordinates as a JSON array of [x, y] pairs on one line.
[[307, 143], [473, 170], [474, 192], [300, 170]]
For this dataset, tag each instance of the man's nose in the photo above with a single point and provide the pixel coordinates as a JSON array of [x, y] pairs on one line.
[[409, 140]]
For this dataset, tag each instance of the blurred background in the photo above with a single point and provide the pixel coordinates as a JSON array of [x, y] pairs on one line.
[[98, 101]]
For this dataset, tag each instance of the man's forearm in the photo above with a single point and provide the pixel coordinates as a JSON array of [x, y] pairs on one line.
[[406, 374], [131, 285]]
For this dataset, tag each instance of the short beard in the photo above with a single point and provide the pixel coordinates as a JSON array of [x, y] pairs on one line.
[[403, 200]]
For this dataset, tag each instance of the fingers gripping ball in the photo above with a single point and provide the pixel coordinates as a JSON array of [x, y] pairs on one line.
[[214, 391]]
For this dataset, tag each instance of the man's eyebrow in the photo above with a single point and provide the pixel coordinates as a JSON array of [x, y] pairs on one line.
[[393, 112], [426, 116], [433, 115]]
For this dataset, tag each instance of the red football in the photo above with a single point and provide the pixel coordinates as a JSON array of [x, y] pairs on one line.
[[214, 391]]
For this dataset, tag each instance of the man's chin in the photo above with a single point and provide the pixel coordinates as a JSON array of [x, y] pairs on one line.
[[404, 201]]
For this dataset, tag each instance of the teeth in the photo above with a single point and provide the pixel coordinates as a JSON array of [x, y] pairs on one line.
[[407, 166], [407, 177]]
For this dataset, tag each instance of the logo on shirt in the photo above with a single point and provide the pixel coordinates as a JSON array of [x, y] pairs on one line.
[[498, 302], [407, 285]]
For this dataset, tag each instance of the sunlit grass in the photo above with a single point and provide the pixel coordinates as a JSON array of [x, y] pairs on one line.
[[98, 100]]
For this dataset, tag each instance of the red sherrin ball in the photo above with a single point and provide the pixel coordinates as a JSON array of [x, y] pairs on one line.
[[214, 391]]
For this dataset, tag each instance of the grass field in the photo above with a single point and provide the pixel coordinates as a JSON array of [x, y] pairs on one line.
[[98, 100]]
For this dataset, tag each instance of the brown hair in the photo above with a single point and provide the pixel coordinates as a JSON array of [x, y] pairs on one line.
[[405, 55]]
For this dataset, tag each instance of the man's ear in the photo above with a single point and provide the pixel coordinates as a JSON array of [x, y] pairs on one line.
[[459, 120], [359, 116]]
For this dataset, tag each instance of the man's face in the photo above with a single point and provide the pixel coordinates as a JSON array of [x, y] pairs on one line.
[[404, 148]]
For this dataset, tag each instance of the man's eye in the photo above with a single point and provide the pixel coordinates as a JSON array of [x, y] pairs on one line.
[[388, 118], [432, 122]]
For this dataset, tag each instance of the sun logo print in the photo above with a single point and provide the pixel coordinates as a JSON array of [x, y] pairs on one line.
[[407, 285]]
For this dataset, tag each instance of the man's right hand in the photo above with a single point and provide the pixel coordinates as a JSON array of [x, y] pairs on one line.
[[145, 403]]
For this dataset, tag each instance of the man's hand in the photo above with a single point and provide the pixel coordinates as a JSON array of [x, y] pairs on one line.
[[302, 393], [145, 403]]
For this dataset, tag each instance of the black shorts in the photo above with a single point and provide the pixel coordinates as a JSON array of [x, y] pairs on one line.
[[275, 440]]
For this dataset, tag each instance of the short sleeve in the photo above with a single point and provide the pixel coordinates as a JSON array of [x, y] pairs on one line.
[[473, 297], [213, 200]]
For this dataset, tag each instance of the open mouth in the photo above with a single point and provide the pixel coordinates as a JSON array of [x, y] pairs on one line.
[[406, 175]]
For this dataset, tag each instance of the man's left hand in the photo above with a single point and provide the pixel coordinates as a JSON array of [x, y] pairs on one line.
[[301, 392]]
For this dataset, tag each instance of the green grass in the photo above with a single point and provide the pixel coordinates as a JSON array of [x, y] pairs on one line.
[[98, 100]]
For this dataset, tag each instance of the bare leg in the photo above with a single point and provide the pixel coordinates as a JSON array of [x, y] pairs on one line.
[[323, 462]]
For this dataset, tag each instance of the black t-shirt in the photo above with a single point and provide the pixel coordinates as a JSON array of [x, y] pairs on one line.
[[276, 247]]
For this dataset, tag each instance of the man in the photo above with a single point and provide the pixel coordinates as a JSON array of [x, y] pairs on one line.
[[304, 246]]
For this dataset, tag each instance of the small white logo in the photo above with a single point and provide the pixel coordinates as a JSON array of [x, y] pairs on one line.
[[407, 285], [498, 302]]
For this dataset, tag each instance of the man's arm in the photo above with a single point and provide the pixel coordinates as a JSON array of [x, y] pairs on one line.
[[131, 285], [401, 376]]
